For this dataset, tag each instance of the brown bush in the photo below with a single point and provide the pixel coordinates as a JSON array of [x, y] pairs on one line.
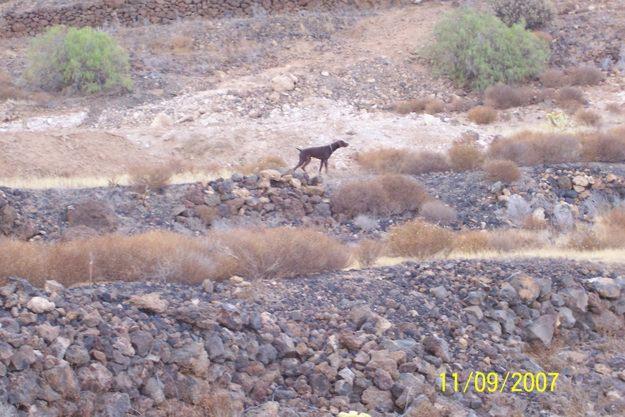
[[545, 36], [465, 156], [419, 239], [472, 241], [181, 44], [152, 177], [529, 148], [610, 228], [368, 251], [275, 253], [554, 78], [588, 117], [252, 253], [502, 96], [604, 147], [266, 162], [410, 106], [435, 211], [482, 115], [434, 106], [585, 75], [502, 170], [614, 108], [8, 90], [504, 240], [402, 161], [381, 195], [570, 98]]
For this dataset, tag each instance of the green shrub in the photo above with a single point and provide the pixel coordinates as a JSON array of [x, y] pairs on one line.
[[534, 13], [84, 60], [478, 50]]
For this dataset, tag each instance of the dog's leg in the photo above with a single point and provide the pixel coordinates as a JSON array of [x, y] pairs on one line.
[[326, 166], [323, 161], [305, 164]]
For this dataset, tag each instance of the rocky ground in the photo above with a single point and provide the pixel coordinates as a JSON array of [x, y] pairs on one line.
[[373, 340], [561, 195]]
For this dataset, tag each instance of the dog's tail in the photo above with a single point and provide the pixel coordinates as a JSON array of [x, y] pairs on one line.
[[298, 149]]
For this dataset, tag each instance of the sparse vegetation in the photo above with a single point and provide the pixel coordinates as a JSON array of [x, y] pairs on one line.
[[381, 195], [465, 156], [570, 98], [614, 108], [482, 115], [434, 106], [151, 177], [533, 13], [266, 162], [84, 60], [368, 251], [554, 78], [419, 239], [585, 75], [502, 170], [503, 96], [402, 161], [435, 211], [588, 117], [477, 50], [410, 106]]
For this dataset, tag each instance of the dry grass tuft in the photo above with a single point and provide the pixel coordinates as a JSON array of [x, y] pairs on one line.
[[368, 251], [252, 253], [275, 253], [381, 195], [570, 98], [402, 161], [554, 78], [434, 106], [266, 162], [501, 96], [588, 117], [153, 177], [482, 115], [604, 146], [614, 108], [585, 75], [410, 106], [181, 44], [465, 156], [501, 241], [530, 148], [502, 170], [419, 239], [435, 211]]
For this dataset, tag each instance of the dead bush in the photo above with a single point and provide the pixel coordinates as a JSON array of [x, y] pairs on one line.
[[610, 228], [459, 104], [152, 177], [554, 78], [502, 96], [181, 44], [502, 170], [435, 211], [368, 251], [366, 223], [206, 214], [570, 98], [154, 255], [545, 36], [505, 240], [275, 253], [472, 241], [381, 195], [530, 148], [614, 108], [482, 115], [402, 161], [588, 117], [585, 75], [419, 239], [604, 147], [266, 162], [252, 253], [8, 90], [465, 156], [410, 106], [434, 106]]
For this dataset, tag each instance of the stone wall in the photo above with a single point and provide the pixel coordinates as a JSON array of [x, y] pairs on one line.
[[139, 12]]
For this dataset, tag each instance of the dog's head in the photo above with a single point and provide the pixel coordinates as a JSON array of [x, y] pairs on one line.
[[342, 144]]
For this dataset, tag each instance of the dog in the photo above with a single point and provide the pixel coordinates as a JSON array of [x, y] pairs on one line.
[[323, 153]]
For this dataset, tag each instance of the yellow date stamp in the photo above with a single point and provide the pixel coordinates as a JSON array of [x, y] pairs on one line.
[[492, 382]]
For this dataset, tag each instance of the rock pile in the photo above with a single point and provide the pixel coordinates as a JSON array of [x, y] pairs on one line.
[[269, 197], [138, 12], [372, 340]]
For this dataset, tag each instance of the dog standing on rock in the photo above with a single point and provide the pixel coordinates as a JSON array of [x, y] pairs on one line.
[[323, 153]]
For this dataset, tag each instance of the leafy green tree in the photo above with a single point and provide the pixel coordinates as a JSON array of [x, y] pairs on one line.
[[477, 50], [79, 59]]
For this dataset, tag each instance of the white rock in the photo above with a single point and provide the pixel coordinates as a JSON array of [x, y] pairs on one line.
[[284, 82], [40, 305], [162, 120]]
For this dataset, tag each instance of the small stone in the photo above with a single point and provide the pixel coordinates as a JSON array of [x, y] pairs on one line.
[[526, 286], [606, 287], [40, 305], [151, 302], [543, 328]]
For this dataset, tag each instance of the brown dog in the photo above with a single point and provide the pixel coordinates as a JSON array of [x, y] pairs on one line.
[[323, 153]]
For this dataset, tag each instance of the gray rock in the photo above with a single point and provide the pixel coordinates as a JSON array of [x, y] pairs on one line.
[[526, 286], [439, 292], [606, 287], [543, 328], [153, 389], [113, 405], [437, 347], [566, 317], [77, 355]]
